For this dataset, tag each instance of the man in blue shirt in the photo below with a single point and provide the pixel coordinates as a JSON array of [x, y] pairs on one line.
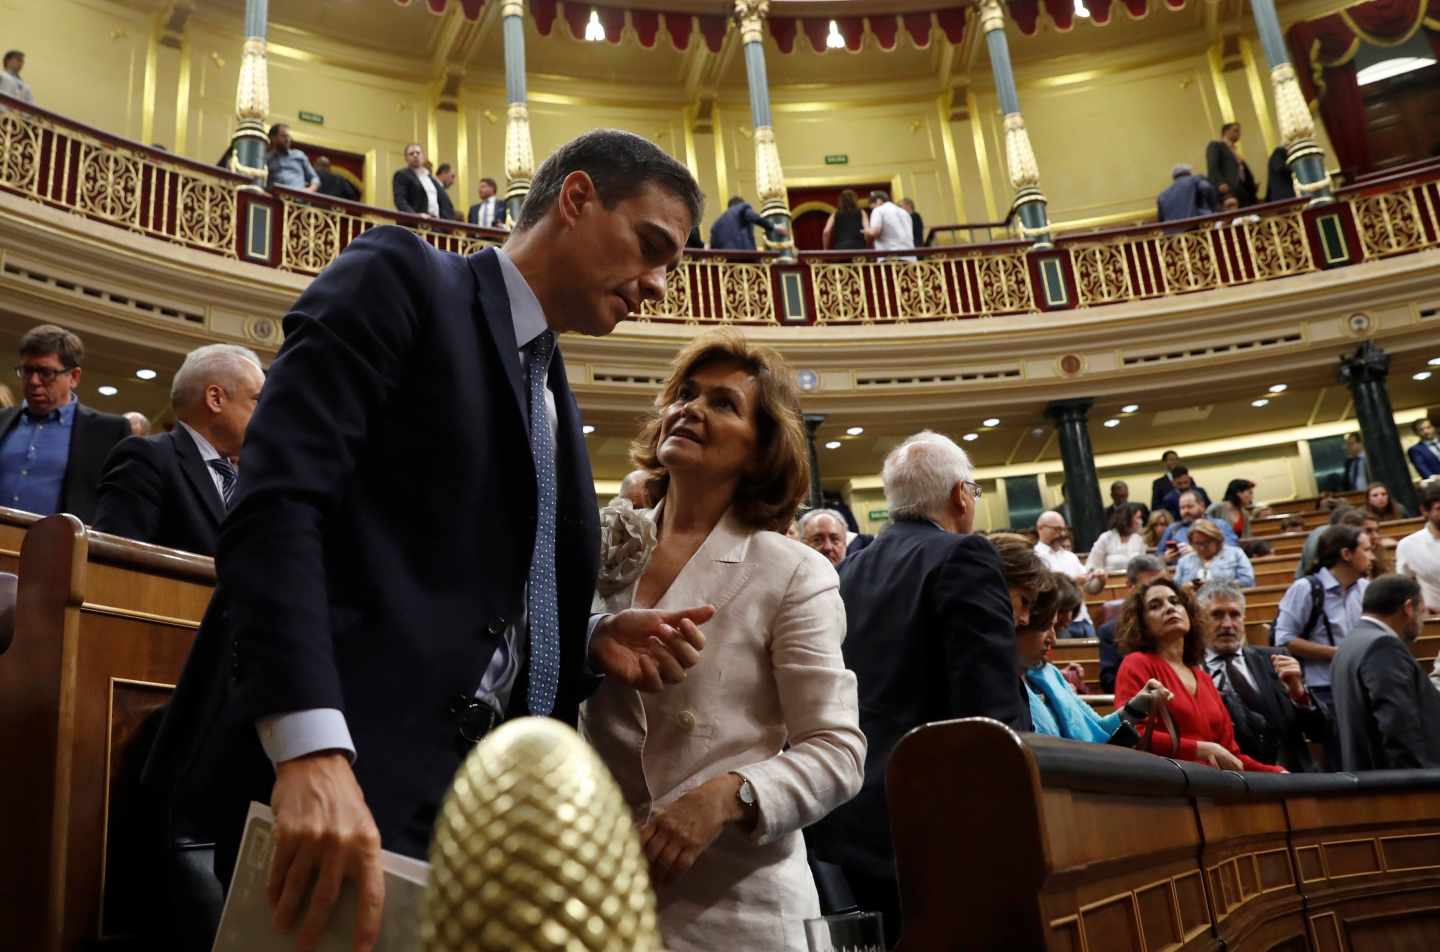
[[1344, 558], [288, 166], [1175, 542], [51, 447]]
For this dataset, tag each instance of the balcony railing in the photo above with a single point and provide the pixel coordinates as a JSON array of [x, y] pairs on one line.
[[52, 160]]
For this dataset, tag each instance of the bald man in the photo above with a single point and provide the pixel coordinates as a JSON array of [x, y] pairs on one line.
[[632, 487], [824, 530], [1049, 528]]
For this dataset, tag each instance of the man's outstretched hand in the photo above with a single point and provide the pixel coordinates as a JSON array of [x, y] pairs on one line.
[[647, 649]]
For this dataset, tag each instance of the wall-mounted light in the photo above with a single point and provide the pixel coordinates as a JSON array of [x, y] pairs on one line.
[[594, 32], [833, 39]]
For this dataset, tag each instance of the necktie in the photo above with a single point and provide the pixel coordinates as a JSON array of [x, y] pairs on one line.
[[1241, 684], [227, 480], [543, 601]]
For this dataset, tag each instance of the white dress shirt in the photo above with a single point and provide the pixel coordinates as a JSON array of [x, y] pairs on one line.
[[432, 200], [1418, 556], [1066, 563], [487, 211], [207, 453]]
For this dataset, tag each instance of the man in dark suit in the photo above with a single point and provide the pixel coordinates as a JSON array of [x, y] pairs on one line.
[[933, 637], [1181, 482], [376, 611], [1162, 485], [444, 179], [917, 224], [1425, 454], [172, 489], [1224, 166], [1263, 688], [734, 229], [334, 184], [1187, 196], [1357, 466], [413, 188], [52, 446], [1386, 711], [489, 212]]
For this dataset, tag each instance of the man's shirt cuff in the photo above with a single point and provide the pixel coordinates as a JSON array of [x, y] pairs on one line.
[[287, 736]]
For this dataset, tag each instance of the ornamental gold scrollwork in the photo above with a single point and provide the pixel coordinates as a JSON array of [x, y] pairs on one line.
[[1296, 124], [1389, 224], [1101, 275], [312, 238], [1279, 247], [1019, 155], [1004, 282], [839, 293], [19, 150], [519, 153], [1188, 260], [677, 297], [109, 184], [920, 288], [206, 215], [745, 293]]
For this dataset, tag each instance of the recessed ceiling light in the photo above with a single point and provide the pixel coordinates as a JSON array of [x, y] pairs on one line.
[[993, 421], [1112, 423], [587, 429], [1262, 402], [833, 445], [106, 391], [1279, 388], [970, 437], [1422, 375], [1038, 432], [855, 431], [1130, 408], [145, 374], [1434, 361]]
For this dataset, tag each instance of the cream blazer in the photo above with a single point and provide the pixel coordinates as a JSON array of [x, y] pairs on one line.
[[771, 700]]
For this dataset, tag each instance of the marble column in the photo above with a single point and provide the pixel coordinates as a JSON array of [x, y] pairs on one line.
[[1364, 371], [1297, 127], [1082, 485], [519, 154], [252, 97], [812, 424], [769, 176], [1029, 202]]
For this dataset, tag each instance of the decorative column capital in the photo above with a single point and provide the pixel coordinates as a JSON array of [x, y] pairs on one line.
[[519, 154], [1296, 124], [750, 14], [252, 92], [1367, 363], [1070, 411], [769, 176], [512, 8], [992, 16], [1019, 156]]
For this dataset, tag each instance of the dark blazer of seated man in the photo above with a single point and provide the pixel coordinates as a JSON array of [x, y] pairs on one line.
[[931, 637], [1425, 454], [172, 489], [1263, 688], [414, 545]]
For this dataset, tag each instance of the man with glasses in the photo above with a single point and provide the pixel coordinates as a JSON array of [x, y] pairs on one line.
[[52, 447], [1049, 530]]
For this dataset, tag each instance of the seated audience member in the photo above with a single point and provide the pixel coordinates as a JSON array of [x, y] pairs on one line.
[[1318, 610], [933, 607], [1162, 484], [1051, 531], [1263, 688], [632, 487], [1386, 712], [1068, 602], [1418, 554], [1155, 526], [286, 165], [489, 212], [52, 446], [734, 228], [1120, 543], [1256, 548], [334, 184], [1212, 559], [1293, 523], [1341, 515], [1187, 196], [1160, 636], [1175, 543], [1379, 504], [1425, 454], [139, 423], [1120, 498], [824, 530], [1228, 169], [413, 188], [1142, 570], [1238, 508], [1182, 482], [173, 489]]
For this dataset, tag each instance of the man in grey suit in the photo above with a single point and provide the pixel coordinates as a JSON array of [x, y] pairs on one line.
[[1387, 712]]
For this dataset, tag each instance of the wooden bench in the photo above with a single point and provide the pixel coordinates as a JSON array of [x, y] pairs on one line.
[[103, 626], [14, 523], [1312, 503], [1274, 525], [1015, 841]]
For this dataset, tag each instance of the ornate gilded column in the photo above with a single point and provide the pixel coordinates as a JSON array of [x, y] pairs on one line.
[[769, 176], [1364, 370], [1297, 128], [812, 426], [1029, 201], [252, 97], [519, 154]]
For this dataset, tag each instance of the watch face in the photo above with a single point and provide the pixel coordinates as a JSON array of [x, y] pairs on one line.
[[746, 793]]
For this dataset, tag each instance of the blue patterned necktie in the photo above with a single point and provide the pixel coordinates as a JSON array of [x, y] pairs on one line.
[[543, 601], [227, 479]]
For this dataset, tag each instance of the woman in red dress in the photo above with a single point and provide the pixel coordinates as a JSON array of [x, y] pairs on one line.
[[1159, 635]]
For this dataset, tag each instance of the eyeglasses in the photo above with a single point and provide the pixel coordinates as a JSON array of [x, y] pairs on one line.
[[47, 375], [972, 488]]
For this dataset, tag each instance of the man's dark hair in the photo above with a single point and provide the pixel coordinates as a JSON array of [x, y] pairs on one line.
[[1352, 435], [277, 127], [1334, 541], [1140, 564], [1388, 594], [1429, 496], [491, 182], [1181, 470], [734, 200], [1228, 126], [620, 164], [1167, 454], [50, 339], [1342, 513], [10, 55], [444, 167]]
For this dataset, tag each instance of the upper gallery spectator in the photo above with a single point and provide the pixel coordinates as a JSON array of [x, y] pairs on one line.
[[414, 189], [1162, 484], [1279, 183], [845, 228], [52, 446], [734, 228], [1380, 504], [1120, 543], [890, 227], [1263, 688], [173, 489], [1161, 637], [1341, 515], [288, 166], [445, 177], [917, 223], [1228, 169], [489, 212], [824, 530], [1318, 610], [1155, 526], [1387, 712], [1048, 530], [1120, 498], [632, 487], [1418, 554], [1174, 544], [1237, 509], [139, 423], [934, 638], [10, 82], [1187, 196], [334, 184], [1425, 454], [1182, 482], [1357, 466], [1212, 559]]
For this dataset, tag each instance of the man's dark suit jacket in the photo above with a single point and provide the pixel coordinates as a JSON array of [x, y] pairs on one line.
[[1223, 167], [917, 229], [1276, 733], [380, 541], [337, 186], [92, 436], [157, 489], [734, 229], [410, 195], [930, 636], [1424, 459], [1159, 489], [1188, 196], [473, 215], [1387, 712]]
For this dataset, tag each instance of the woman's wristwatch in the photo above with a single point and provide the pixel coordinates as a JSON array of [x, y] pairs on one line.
[[745, 796]]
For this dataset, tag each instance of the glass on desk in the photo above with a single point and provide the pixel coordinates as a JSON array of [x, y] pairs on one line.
[[848, 932]]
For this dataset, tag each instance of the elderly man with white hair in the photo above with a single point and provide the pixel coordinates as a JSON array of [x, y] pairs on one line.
[[173, 489], [930, 635], [825, 531]]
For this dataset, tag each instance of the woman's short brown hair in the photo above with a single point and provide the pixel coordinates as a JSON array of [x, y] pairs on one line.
[[768, 496], [1019, 564], [1130, 633]]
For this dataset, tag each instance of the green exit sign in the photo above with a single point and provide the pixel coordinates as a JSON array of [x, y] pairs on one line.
[[314, 117], [879, 515], [837, 160]]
